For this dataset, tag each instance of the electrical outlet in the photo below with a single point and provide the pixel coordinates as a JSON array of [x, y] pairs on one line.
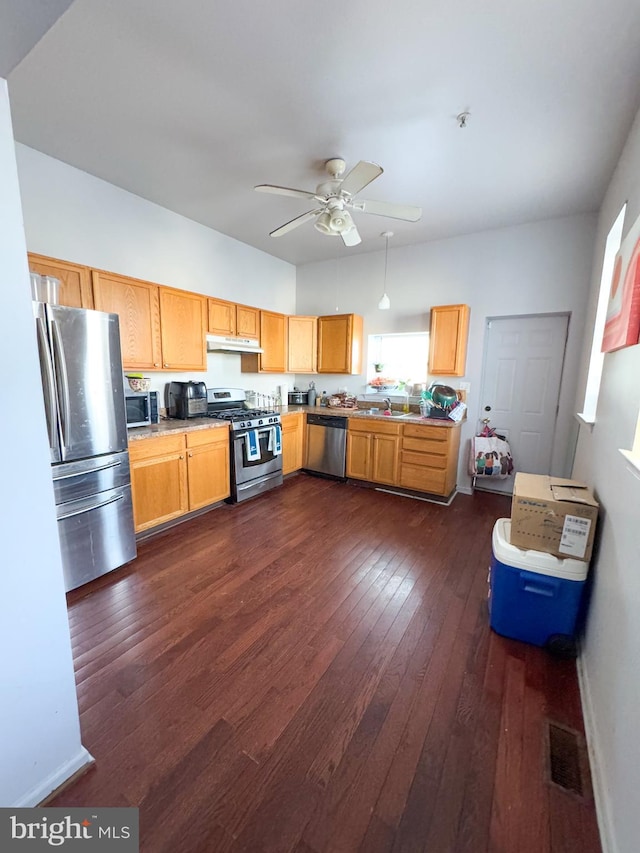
[[464, 386]]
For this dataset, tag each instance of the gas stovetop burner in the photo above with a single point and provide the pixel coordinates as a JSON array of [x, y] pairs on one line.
[[246, 418]]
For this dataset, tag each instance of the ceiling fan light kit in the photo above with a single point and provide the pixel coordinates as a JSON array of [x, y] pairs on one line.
[[335, 196]]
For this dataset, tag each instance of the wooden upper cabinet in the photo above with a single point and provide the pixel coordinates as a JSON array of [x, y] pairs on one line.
[[302, 345], [273, 340], [340, 344], [137, 303], [75, 280], [222, 317], [247, 322], [183, 324], [448, 340], [227, 318]]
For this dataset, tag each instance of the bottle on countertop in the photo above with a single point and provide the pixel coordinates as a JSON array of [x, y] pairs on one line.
[[311, 394]]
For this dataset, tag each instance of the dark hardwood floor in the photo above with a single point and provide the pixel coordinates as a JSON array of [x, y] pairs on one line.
[[313, 671]]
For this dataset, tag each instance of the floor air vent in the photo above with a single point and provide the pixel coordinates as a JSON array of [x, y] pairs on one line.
[[566, 759]]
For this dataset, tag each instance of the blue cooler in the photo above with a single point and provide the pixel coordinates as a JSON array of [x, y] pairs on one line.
[[533, 596]]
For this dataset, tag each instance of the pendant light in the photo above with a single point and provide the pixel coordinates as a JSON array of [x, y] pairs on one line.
[[385, 303]]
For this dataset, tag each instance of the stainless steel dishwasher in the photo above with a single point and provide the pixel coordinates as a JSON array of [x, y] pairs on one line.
[[326, 445]]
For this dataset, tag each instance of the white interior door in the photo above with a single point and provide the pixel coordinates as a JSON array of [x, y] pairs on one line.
[[523, 364]]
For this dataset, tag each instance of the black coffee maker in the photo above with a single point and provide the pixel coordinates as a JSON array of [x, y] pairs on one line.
[[186, 400]]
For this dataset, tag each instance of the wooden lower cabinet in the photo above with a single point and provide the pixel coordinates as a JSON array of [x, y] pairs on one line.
[[429, 458], [207, 467], [372, 451], [293, 435], [178, 473]]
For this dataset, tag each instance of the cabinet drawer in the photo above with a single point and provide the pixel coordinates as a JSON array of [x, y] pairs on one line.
[[216, 435], [422, 479], [427, 445], [434, 433], [374, 426], [145, 448], [426, 460]]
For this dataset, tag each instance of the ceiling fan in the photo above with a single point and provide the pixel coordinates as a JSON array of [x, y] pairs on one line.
[[335, 198]]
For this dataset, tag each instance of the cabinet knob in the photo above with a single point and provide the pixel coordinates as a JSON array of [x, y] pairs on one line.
[[156, 364], [190, 453], [165, 364], [181, 456]]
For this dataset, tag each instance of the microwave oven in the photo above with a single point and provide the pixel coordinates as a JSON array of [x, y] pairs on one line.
[[141, 408]]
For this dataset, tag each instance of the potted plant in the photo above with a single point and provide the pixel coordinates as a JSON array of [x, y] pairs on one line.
[[378, 367]]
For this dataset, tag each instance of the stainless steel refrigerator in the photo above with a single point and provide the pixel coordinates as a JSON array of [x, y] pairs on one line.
[[82, 382]]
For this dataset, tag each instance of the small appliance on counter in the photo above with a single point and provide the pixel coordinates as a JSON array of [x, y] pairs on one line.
[[186, 400], [297, 398]]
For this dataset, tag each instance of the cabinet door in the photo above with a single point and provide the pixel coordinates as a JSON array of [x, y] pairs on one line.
[[75, 280], [222, 317], [208, 470], [359, 455], [247, 322], [273, 337], [385, 459], [183, 325], [448, 340], [137, 304], [292, 442], [340, 344], [302, 344], [158, 480]]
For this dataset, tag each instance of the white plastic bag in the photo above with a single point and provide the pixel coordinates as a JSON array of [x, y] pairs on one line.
[[490, 456]]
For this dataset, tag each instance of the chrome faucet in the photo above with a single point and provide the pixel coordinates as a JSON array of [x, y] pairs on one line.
[[387, 404]]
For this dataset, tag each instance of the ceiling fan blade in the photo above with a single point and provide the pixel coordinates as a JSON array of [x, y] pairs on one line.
[[293, 223], [351, 237], [362, 174], [395, 211], [270, 188]]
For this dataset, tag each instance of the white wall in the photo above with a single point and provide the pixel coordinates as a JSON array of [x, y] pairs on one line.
[[610, 663], [542, 267], [72, 215], [39, 727]]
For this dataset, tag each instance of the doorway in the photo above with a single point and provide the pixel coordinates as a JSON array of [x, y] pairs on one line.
[[520, 389]]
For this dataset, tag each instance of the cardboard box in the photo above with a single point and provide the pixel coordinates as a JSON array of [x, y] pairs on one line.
[[553, 515]]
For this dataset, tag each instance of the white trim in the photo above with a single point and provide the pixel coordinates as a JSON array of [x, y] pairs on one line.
[[632, 459], [45, 788], [603, 810], [585, 420], [419, 497], [465, 490]]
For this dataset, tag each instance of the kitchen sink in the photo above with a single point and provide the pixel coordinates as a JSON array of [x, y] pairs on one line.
[[380, 413]]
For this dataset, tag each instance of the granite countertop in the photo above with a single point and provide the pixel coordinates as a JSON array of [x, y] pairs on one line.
[[411, 418], [173, 425]]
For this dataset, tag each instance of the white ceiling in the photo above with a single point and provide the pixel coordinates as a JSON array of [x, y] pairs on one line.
[[191, 104]]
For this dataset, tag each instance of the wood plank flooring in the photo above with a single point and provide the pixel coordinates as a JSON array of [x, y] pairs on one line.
[[313, 671]]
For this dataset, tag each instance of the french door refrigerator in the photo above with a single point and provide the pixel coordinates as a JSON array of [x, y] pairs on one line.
[[82, 382]]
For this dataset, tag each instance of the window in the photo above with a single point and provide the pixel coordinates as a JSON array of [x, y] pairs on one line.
[[399, 358], [596, 360]]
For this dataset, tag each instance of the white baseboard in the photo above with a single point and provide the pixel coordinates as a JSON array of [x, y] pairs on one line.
[[44, 789], [603, 811], [465, 490]]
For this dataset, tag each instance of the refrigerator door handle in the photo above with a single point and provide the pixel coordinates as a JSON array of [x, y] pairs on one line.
[[62, 384], [87, 471], [48, 381], [89, 506]]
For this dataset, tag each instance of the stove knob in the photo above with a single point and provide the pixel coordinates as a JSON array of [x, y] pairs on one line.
[[260, 422]]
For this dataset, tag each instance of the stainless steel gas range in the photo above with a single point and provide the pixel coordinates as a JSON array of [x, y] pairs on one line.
[[256, 442]]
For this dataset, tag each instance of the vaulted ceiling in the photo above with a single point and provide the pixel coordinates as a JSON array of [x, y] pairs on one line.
[[191, 104]]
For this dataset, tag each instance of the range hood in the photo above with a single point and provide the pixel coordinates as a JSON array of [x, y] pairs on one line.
[[220, 343]]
